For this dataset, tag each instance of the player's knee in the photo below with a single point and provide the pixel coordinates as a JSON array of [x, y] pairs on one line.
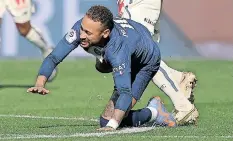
[[103, 121], [23, 28]]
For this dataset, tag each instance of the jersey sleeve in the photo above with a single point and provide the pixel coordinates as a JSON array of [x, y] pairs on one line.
[[68, 43], [119, 56]]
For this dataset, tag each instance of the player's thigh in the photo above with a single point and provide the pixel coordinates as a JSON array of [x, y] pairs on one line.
[[141, 81], [21, 10], [2, 8], [146, 12]]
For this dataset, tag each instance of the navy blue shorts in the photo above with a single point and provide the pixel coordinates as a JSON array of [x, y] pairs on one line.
[[141, 77]]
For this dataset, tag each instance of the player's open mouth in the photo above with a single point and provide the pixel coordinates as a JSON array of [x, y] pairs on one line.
[[84, 44]]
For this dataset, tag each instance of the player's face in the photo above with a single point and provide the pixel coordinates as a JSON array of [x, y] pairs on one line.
[[92, 33]]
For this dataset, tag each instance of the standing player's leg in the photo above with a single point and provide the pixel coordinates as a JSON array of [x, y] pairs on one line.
[[185, 111], [186, 80], [21, 11]]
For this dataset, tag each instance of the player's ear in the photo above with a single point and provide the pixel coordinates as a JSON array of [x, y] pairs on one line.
[[106, 33]]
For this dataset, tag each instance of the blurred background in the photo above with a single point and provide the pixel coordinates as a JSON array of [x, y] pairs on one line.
[[189, 28]]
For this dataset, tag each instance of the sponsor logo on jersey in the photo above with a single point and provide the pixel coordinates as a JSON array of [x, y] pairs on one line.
[[119, 69]]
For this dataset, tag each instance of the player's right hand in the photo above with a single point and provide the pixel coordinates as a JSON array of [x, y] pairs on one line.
[[39, 90]]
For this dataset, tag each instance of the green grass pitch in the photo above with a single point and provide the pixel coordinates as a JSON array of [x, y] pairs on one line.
[[79, 91]]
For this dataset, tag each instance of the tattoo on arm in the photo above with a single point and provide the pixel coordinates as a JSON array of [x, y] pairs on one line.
[[109, 110]]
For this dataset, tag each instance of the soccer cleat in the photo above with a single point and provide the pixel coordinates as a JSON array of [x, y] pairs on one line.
[[187, 85], [186, 117], [54, 73], [164, 118]]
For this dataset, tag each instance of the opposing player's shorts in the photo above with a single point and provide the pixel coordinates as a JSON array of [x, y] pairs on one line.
[[20, 10], [146, 12]]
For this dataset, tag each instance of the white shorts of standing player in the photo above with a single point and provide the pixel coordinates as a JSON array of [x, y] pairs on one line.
[[177, 85], [21, 11], [141, 11]]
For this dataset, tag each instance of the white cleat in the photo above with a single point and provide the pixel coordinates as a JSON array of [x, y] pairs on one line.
[[186, 117], [187, 85]]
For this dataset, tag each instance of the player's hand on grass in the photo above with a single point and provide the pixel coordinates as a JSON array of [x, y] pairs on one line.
[[39, 86], [39, 90], [106, 129]]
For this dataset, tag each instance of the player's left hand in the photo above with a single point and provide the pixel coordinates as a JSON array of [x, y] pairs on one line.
[[106, 129]]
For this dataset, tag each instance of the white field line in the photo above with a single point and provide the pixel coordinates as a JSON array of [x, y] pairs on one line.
[[192, 137], [53, 118], [102, 134], [97, 134]]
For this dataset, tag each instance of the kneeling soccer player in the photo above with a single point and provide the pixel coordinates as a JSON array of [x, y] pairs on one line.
[[124, 45]]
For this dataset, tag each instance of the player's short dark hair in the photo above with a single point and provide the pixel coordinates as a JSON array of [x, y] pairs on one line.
[[101, 14]]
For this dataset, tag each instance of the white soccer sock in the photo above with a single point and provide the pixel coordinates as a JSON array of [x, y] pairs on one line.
[[176, 74], [165, 81], [154, 113], [36, 38]]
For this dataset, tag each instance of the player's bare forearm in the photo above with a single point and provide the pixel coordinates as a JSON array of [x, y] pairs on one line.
[[118, 115], [39, 86], [41, 81], [115, 121]]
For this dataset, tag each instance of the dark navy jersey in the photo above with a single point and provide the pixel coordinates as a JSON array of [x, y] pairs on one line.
[[130, 48]]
